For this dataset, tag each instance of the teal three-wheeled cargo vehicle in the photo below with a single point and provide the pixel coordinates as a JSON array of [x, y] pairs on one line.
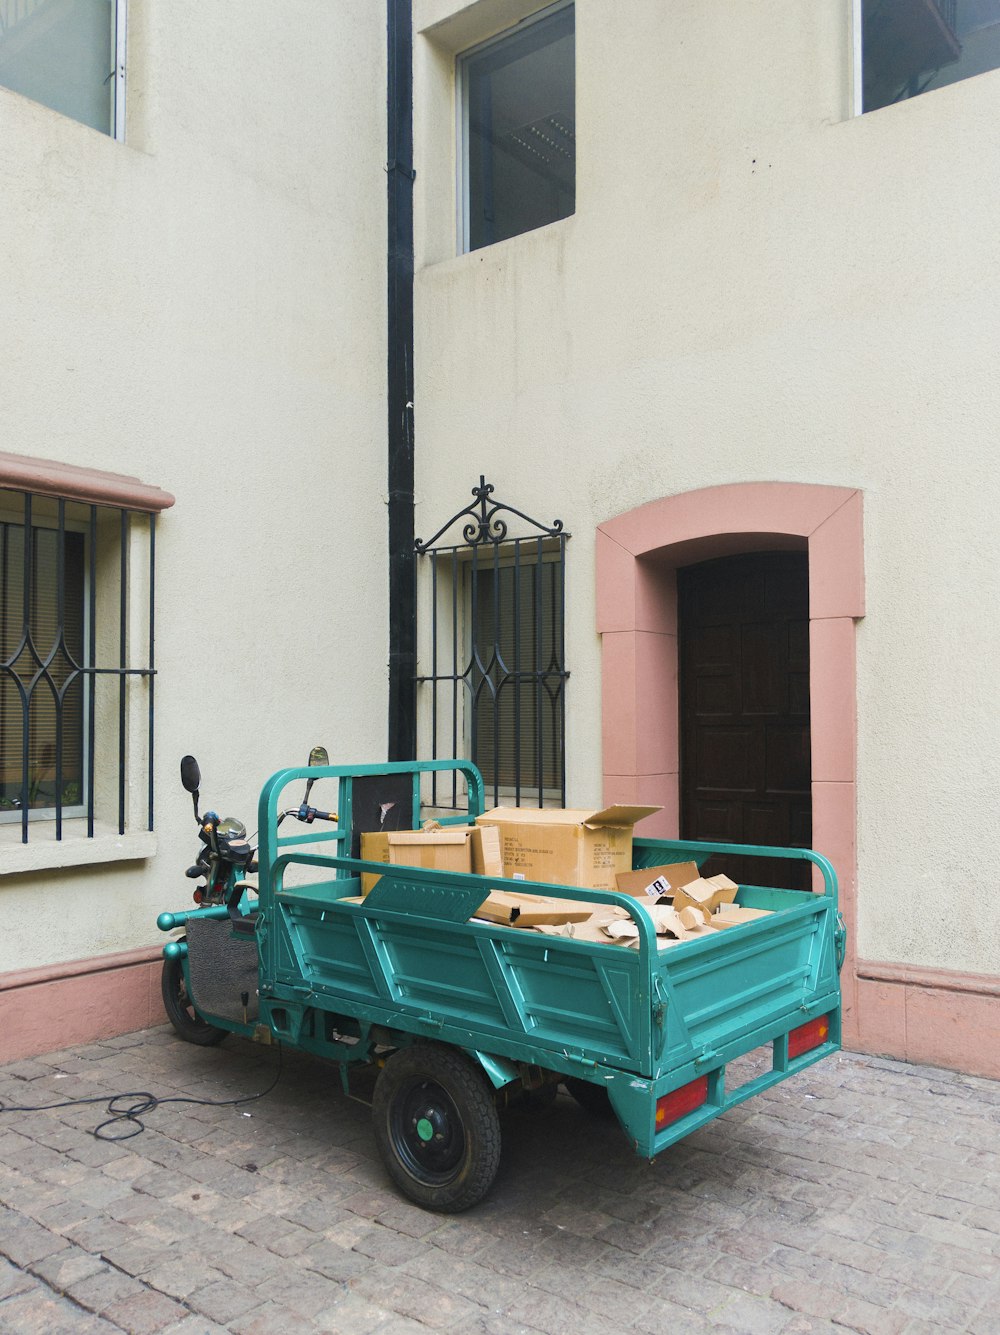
[[462, 1014]]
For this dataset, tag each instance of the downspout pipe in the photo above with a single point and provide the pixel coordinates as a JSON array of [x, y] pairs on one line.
[[399, 328]]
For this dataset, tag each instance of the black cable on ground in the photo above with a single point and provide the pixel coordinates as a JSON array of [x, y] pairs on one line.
[[143, 1103]]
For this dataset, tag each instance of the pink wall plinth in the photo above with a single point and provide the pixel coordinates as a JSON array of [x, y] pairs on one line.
[[56, 1007]]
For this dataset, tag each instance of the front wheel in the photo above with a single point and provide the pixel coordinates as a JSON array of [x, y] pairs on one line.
[[180, 1010], [436, 1127]]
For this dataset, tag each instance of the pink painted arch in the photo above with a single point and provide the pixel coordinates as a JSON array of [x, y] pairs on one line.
[[638, 554]]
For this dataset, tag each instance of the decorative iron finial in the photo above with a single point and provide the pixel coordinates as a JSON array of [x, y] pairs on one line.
[[485, 525]]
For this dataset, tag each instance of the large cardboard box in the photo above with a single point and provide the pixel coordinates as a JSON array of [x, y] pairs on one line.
[[566, 847], [464, 849]]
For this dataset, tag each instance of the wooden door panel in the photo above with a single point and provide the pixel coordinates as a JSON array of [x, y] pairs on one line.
[[720, 821], [765, 689], [726, 759], [744, 697], [716, 696], [786, 760]]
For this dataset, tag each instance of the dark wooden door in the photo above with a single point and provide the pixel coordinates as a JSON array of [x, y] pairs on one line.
[[744, 710]]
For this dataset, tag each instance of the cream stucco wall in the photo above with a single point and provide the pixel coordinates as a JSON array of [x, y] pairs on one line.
[[756, 285], [204, 306]]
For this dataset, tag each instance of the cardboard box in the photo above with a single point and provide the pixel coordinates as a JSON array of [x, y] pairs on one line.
[[707, 895], [654, 883], [566, 847], [457, 848]]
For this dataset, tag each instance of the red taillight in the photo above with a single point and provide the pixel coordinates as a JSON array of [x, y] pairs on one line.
[[198, 895], [808, 1036], [672, 1107]]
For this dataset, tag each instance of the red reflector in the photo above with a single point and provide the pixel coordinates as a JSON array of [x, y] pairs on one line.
[[672, 1107], [808, 1036], [198, 896]]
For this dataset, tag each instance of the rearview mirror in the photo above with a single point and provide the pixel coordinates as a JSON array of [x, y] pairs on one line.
[[190, 774], [317, 756], [191, 779]]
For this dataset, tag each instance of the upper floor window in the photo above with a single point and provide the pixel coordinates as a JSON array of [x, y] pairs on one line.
[[911, 46], [518, 122], [69, 55]]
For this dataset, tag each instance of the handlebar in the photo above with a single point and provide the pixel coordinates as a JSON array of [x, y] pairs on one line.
[[308, 814]]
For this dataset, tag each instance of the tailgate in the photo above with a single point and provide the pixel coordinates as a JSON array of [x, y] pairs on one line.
[[756, 978]]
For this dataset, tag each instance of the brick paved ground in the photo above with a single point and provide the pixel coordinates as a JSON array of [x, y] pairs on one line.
[[863, 1195]]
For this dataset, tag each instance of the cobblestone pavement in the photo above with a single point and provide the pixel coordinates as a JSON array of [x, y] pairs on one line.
[[862, 1195]]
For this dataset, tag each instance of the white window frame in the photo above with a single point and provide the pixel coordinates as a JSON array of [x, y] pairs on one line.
[[462, 110], [857, 56], [121, 46]]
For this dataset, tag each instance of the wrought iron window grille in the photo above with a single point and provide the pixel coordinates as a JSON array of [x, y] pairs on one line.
[[493, 623], [65, 711]]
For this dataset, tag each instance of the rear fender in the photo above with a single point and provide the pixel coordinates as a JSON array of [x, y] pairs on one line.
[[498, 1070]]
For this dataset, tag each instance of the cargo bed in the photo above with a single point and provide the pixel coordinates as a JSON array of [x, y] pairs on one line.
[[408, 964]]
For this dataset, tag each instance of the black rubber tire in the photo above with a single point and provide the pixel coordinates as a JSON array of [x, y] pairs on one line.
[[591, 1098], [181, 1013], [436, 1127]]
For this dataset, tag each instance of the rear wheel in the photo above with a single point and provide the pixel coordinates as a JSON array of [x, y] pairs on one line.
[[180, 1010], [436, 1127]]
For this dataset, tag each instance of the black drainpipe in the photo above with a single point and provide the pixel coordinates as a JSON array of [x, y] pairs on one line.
[[399, 265]]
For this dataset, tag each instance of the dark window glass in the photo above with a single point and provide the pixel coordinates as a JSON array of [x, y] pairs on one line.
[[520, 130], [517, 676], [44, 664], [911, 46]]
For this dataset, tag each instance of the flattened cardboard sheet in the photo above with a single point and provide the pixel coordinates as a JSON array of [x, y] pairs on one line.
[[732, 915], [513, 910]]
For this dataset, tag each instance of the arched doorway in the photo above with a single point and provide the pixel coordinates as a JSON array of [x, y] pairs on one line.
[[638, 556]]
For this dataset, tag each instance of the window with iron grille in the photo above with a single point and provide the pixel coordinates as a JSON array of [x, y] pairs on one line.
[[76, 657], [493, 643], [516, 677]]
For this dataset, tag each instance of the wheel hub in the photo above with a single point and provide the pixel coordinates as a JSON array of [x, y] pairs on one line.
[[427, 1131]]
